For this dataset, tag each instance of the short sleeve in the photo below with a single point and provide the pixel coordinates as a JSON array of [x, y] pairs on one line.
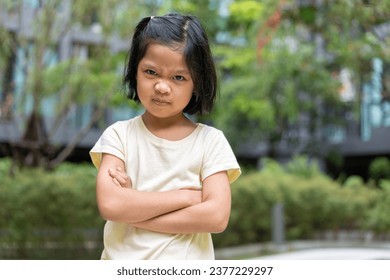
[[110, 142], [219, 156]]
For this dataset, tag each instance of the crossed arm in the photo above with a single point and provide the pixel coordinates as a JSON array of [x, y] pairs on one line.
[[176, 211]]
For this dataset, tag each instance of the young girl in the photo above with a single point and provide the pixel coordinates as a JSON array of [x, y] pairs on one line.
[[163, 183]]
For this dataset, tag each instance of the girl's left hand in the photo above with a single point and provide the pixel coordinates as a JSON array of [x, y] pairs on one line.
[[119, 177]]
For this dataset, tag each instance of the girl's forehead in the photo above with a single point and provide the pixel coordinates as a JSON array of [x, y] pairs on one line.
[[164, 55], [174, 46]]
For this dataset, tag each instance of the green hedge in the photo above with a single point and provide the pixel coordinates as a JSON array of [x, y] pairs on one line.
[[379, 169], [313, 203], [54, 215], [49, 215]]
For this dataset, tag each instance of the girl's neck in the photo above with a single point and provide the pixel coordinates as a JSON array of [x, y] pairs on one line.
[[173, 128]]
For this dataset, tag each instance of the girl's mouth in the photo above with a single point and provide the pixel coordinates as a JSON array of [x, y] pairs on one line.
[[160, 102]]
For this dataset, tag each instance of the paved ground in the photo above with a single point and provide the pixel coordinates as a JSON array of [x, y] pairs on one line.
[[332, 254], [305, 250]]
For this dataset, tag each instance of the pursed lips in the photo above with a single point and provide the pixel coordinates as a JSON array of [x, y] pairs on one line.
[[160, 101]]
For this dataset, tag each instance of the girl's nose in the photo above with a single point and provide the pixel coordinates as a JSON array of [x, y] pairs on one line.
[[162, 87]]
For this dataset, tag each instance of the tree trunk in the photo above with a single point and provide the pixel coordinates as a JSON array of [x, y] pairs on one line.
[[67, 150], [32, 149]]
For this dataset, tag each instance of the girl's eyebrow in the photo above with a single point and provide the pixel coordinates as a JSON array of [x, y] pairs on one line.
[[147, 64], [182, 71], [178, 70]]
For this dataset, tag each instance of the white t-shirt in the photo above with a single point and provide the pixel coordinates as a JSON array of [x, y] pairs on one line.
[[156, 164]]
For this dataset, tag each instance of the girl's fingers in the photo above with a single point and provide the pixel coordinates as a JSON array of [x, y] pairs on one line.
[[116, 173], [119, 177], [116, 182]]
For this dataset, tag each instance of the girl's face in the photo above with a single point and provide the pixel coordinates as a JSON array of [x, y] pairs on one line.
[[164, 82]]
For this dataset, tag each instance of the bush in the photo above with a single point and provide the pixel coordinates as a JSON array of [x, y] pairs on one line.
[[312, 203], [379, 169], [378, 216], [301, 166], [54, 215], [41, 210], [252, 199], [354, 182]]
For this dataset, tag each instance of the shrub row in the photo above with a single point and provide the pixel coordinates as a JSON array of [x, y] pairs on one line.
[[312, 203], [44, 213], [54, 215]]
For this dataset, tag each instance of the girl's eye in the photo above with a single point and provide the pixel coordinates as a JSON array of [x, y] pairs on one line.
[[151, 72], [178, 78]]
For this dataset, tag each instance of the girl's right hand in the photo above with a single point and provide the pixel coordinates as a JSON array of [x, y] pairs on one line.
[[119, 177]]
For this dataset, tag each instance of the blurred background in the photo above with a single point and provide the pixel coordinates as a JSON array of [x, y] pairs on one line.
[[304, 101]]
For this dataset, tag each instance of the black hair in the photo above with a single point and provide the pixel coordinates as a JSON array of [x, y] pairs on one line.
[[172, 30]]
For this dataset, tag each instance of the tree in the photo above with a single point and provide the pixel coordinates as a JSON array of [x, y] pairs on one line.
[[349, 30], [70, 81], [75, 81], [283, 80]]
